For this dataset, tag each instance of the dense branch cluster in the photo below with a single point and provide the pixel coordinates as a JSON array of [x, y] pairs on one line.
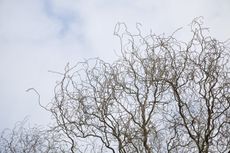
[[24, 139], [161, 95]]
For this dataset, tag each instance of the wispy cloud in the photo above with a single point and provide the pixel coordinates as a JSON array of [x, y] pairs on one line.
[[63, 16]]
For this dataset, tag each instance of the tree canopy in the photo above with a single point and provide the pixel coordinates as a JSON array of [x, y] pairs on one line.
[[161, 95]]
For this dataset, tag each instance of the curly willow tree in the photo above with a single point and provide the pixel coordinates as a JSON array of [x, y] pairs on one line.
[[161, 96]]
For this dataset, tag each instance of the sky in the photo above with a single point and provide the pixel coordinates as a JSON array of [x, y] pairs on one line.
[[37, 36]]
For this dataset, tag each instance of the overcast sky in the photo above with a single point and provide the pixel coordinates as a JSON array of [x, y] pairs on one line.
[[41, 35]]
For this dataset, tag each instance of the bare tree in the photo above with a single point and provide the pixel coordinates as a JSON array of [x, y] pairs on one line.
[[161, 95], [200, 91], [23, 139]]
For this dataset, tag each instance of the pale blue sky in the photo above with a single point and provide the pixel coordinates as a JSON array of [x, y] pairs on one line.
[[41, 35]]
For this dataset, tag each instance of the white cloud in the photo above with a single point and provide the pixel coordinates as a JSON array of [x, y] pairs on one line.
[[23, 21]]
